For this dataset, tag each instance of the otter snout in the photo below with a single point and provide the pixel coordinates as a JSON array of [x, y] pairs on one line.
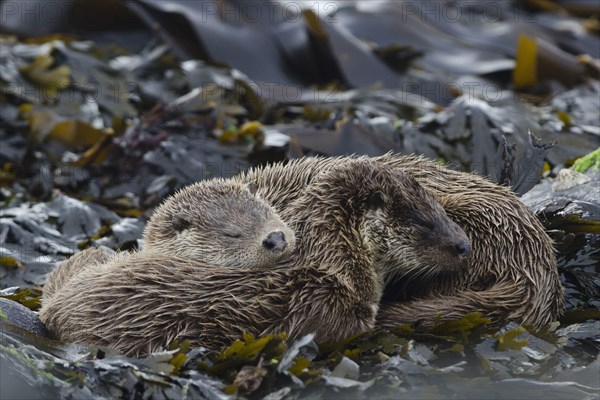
[[463, 248], [275, 241], [457, 241], [453, 244]]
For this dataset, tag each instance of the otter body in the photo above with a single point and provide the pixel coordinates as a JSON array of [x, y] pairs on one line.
[[332, 286], [511, 273]]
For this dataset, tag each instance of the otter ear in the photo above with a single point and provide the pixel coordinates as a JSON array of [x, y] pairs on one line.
[[252, 187], [375, 200], [180, 223]]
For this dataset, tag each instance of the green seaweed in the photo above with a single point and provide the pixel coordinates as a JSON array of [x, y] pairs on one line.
[[576, 224], [245, 351], [463, 327], [590, 160], [315, 113], [249, 347], [331, 347], [102, 232], [9, 262], [300, 366], [179, 358], [30, 298], [508, 340], [47, 77]]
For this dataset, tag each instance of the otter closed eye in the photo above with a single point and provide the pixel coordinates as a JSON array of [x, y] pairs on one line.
[[421, 220], [180, 223], [232, 234], [427, 225]]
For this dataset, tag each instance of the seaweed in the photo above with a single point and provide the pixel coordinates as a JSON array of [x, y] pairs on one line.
[[49, 79], [589, 161], [30, 298], [508, 340], [94, 136]]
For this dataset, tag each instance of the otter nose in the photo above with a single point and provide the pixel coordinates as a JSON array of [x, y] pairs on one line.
[[275, 241], [463, 249]]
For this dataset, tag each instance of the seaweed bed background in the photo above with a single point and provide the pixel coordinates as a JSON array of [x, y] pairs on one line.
[[104, 115]]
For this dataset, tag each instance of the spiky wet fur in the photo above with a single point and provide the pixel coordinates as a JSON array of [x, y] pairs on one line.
[[89, 258], [511, 273], [143, 301]]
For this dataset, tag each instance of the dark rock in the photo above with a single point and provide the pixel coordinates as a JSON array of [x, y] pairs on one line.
[[23, 317]]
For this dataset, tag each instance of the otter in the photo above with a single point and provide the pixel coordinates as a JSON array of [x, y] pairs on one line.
[[218, 222], [367, 217], [511, 273]]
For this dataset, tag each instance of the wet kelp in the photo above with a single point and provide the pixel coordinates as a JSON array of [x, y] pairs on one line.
[[93, 136], [462, 360]]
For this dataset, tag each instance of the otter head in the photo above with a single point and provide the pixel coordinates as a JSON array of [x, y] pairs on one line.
[[410, 233], [222, 223]]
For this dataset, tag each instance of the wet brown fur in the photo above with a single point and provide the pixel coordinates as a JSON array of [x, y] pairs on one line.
[[138, 303], [72, 266], [511, 274]]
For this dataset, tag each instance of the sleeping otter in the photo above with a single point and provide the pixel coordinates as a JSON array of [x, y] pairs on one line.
[[218, 222], [511, 274], [366, 220]]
